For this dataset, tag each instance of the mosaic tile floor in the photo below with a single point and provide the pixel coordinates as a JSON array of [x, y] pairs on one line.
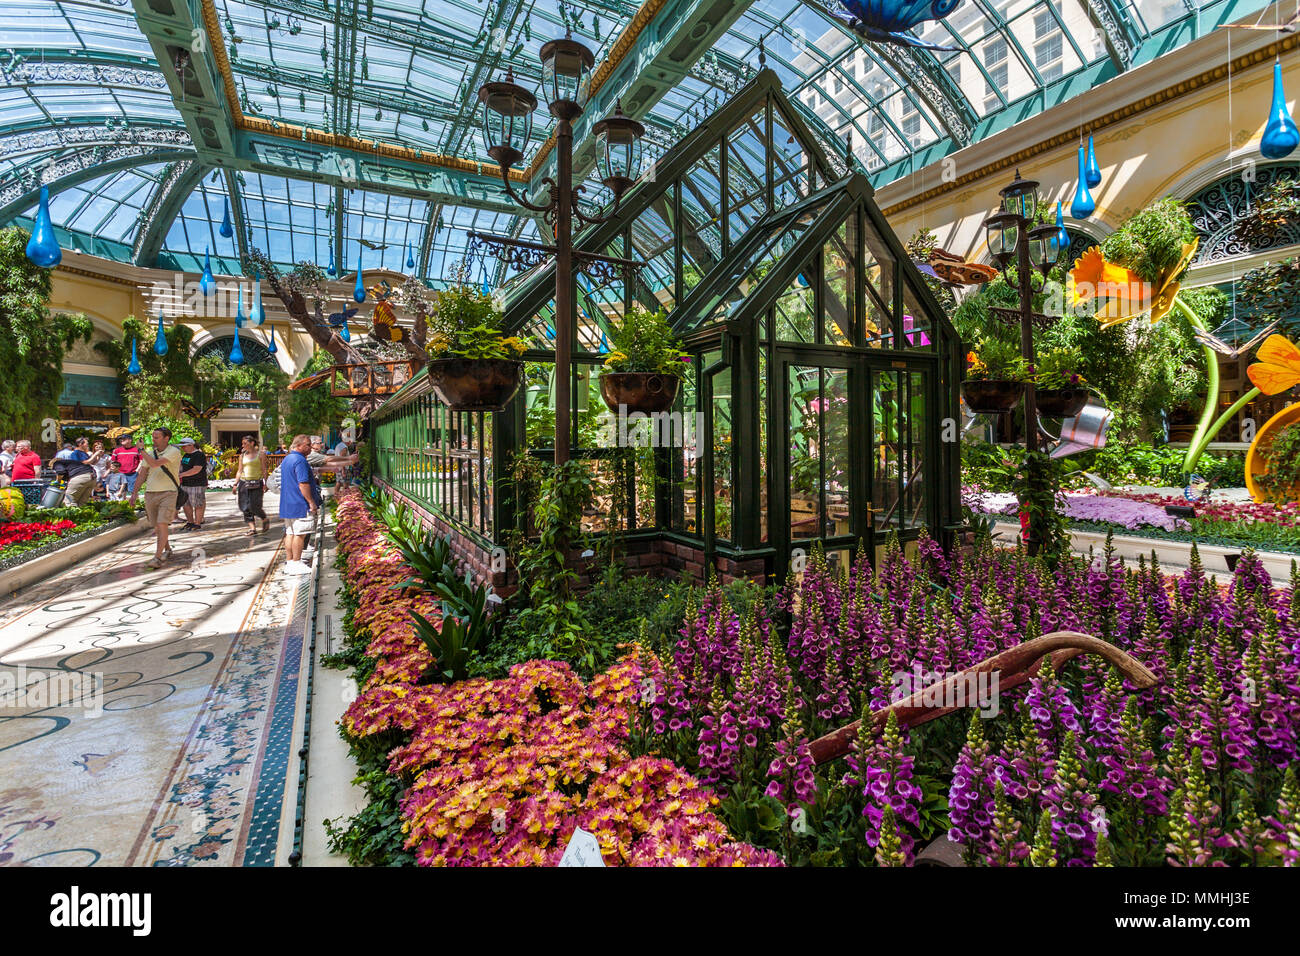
[[147, 717]]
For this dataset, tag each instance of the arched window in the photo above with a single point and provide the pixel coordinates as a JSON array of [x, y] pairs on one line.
[[1217, 209], [255, 353]]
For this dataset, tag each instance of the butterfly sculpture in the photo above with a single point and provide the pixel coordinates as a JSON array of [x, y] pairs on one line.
[[887, 21], [1198, 489], [383, 320], [1277, 366], [189, 408], [954, 270], [374, 246], [1212, 339], [1290, 26], [338, 318], [1119, 293]]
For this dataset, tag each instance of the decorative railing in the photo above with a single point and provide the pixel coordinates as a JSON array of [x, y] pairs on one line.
[[377, 378]]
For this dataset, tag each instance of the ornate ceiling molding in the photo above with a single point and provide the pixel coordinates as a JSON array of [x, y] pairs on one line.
[[19, 190]]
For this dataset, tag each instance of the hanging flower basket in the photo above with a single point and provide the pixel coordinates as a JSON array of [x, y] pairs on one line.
[[992, 396], [475, 385], [1061, 402], [646, 392]]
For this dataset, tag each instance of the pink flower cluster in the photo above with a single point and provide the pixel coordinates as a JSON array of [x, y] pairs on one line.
[[503, 771]]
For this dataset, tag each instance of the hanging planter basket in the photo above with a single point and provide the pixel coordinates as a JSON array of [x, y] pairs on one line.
[[475, 385], [646, 392], [992, 396], [1061, 402]]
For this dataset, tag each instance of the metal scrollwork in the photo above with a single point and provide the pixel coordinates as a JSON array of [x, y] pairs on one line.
[[1217, 209]]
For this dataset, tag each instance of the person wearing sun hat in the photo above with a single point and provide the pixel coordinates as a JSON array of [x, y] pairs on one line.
[[194, 482]]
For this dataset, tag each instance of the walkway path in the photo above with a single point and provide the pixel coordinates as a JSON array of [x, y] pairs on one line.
[[157, 724]]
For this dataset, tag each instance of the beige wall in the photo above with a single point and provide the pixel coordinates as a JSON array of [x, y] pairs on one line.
[[1174, 146]]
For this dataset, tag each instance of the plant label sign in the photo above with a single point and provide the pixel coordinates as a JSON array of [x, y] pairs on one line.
[[583, 850]]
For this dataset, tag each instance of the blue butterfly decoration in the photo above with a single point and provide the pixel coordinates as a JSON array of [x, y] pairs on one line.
[[887, 21], [338, 318]]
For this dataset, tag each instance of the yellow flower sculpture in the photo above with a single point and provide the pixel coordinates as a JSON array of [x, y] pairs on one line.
[[1120, 293], [1278, 367]]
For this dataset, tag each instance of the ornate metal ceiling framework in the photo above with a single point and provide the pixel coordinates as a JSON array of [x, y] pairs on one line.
[[241, 78], [156, 218]]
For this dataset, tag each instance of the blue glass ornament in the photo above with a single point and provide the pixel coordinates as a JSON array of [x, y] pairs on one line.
[[236, 353], [1083, 206], [344, 333], [1280, 133], [331, 271], [207, 284], [160, 341], [1062, 237], [890, 21], [43, 248], [227, 230], [271, 345], [134, 367], [1094, 171], [359, 293], [257, 314], [410, 259], [239, 308]]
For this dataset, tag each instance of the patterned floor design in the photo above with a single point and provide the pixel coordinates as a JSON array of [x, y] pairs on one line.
[[147, 717]]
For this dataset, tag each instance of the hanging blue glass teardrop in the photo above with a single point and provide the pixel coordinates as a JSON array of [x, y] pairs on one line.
[[257, 314], [1280, 133], [410, 259], [206, 283], [270, 347], [226, 230], [239, 308], [604, 344], [160, 341], [1094, 171], [1083, 206], [43, 248], [331, 271], [134, 367], [236, 353], [344, 333], [1062, 236], [359, 293]]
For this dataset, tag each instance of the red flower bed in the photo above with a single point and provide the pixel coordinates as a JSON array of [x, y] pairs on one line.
[[1286, 515], [22, 532]]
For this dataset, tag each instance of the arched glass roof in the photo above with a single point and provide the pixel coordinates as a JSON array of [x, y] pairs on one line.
[[85, 105]]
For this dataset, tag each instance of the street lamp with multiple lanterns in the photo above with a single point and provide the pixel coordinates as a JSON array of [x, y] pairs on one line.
[[507, 127], [1013, 234]]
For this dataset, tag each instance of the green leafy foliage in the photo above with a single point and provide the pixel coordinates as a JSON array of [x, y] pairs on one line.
[[314, 411], [1151, 241], [1282, 465], [1059, 368], [644, 342], [32, 341], [465, 322], [998, 360]]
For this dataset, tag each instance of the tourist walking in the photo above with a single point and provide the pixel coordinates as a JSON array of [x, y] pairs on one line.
[[300, 500], [194, 483], [162, 482], [250, 485], [127, 456]]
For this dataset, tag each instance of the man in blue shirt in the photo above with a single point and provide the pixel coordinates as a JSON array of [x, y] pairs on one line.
[[299, 500]]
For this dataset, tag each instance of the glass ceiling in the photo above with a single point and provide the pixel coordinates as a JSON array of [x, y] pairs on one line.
[[80, 75]]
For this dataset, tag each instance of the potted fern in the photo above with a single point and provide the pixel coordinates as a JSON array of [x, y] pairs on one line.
[[475, 366], [645, 367], [996, 376], [1060, 391]]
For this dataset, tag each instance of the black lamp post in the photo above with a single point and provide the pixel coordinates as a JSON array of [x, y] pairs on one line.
[[507, 124], [1013, 234]]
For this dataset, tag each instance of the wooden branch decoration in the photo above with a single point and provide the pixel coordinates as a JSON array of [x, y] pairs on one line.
[[1013, 667]]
